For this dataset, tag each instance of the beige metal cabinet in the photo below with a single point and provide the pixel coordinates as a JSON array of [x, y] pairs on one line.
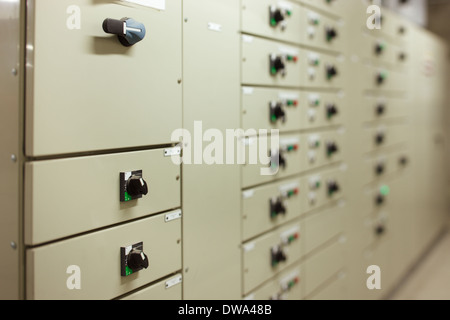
[[321, 227], [323, 70], [322, 109], [380, 108], [382, 50], [86, 91], [268, 206], [97, 256], [70, 196], [323, 266], [267, 108], [167, 289], [269, 254], [382, 79], [289, 155], [381, 136], [322, 148], [280, 20], [322, 31], [324, 187], [336, 290], [271, 63], [377, 167], [288, 285]]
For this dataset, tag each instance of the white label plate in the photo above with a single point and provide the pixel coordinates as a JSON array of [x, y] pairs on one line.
[[174, 281]]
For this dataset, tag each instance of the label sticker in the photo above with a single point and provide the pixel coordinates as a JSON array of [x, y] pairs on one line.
[[247, 39], [214, 27], [156, 4], [247, 90], [248, 194]]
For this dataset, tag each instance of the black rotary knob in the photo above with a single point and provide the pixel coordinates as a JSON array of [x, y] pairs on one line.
[[276, 17], [379, 48], [380, 230], [331, 34], [331, 71], [379, 138], [403, 161], [381, 77], [379, 200], [332, 148], [136, 186], [379, 169], [277, 112], [332, 111], [137, 260], [333, 187], [380, 109], [277, 207], [282, 161], [276, 64]]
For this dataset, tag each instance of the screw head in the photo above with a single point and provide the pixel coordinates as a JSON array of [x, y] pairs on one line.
[[14, 72], [13, 158], [13, 245]]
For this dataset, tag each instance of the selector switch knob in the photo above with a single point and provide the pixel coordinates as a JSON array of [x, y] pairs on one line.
[[332, 148], [128, 31], [380, 230], [379, 169], [277, 65], [332, 111], [331, 33], [380, 109], [331, 72], [137, 260], [276, 16], [379, 138], [277, 112], [333, 187], [379, 200], [277, 207], [136, 186]]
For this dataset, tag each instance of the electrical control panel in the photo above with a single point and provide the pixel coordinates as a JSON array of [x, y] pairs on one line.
[[340, 121]]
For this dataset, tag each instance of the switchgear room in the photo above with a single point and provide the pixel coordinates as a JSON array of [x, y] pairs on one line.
[[224, 150]]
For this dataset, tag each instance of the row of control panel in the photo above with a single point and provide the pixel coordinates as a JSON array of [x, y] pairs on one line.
[[293, 80], [326, 186]]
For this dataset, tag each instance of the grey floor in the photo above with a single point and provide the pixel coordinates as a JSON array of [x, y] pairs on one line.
[[430, 280]]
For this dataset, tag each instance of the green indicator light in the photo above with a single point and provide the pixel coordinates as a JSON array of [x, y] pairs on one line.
[[291, 284], [273, 22], [274, 263], [317, 62], [317, 144], [291, 193], [273, 70], [290, 58], [385, 190], [274, 119], [289, 12], [127, 197], [274, 214], [290, 148], [290, 103], [317, 102], [317, 184], [316, 21], [384, 75]]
